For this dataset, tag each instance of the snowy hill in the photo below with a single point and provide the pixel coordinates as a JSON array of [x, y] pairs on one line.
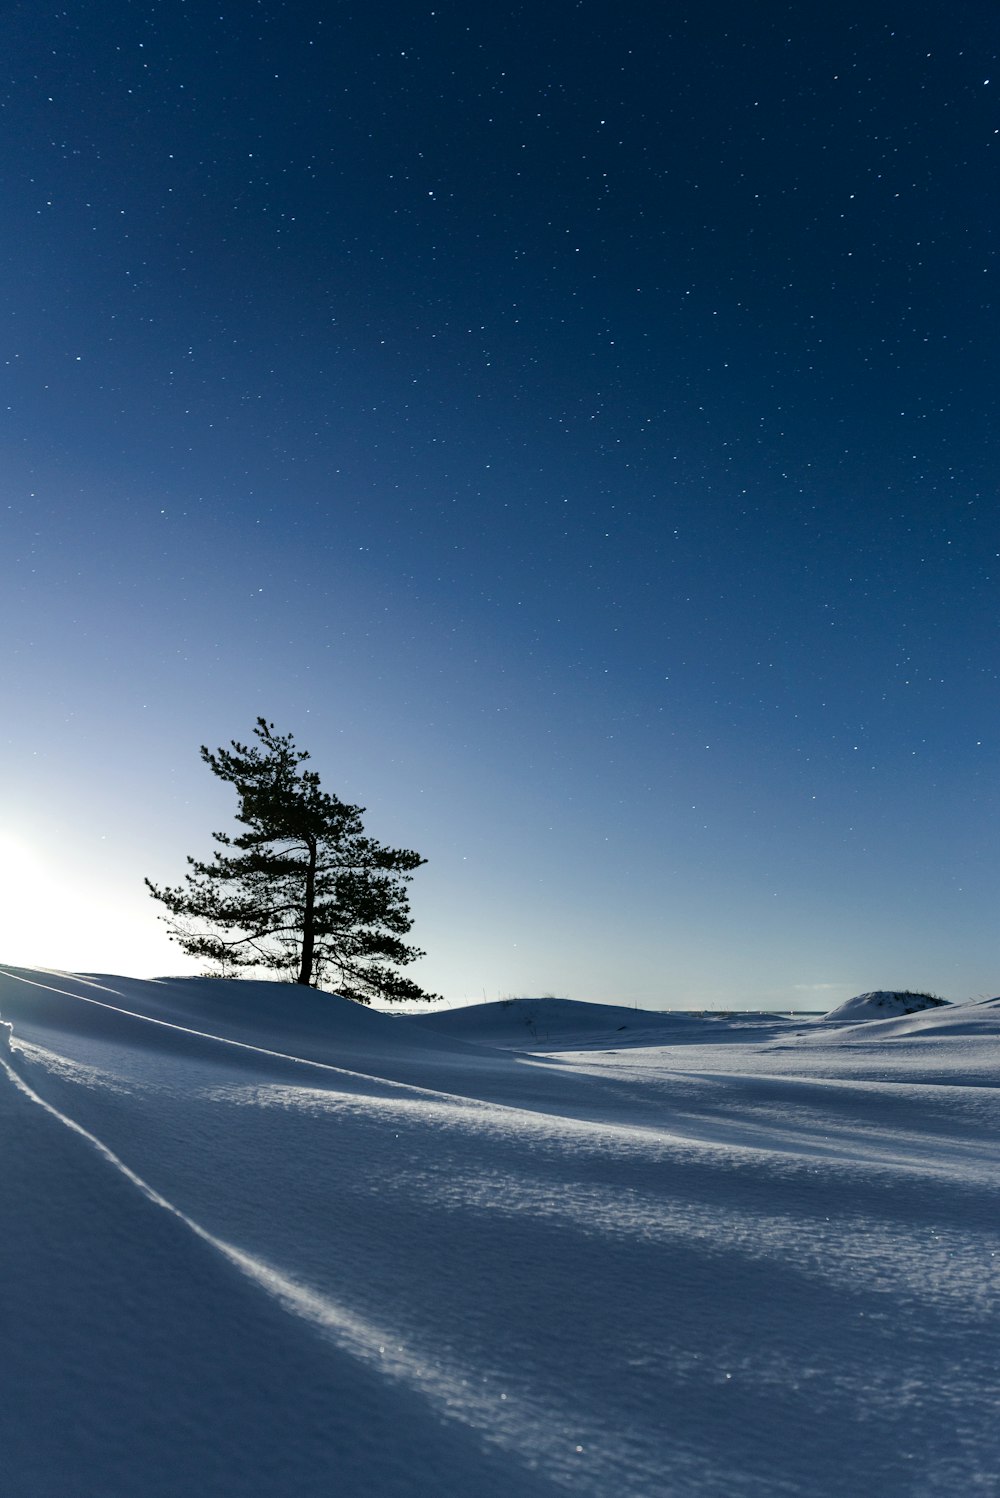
[[258, 1241], [551, 1024], [882, 1004]]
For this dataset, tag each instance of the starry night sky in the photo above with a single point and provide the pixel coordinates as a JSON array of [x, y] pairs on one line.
[[575, 422]]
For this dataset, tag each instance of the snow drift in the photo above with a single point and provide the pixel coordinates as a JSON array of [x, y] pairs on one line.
[[259, 1242], [552, 1024], [882, 1003]]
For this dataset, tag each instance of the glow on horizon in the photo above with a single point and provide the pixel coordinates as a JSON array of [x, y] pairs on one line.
[[51, 921]]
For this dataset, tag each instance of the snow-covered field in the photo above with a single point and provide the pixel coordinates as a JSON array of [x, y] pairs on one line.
[[260, 1241]]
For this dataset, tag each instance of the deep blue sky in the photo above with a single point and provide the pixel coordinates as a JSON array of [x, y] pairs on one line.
[[575, 422]]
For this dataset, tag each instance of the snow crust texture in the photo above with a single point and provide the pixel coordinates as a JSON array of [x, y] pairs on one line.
[[260, 1242]]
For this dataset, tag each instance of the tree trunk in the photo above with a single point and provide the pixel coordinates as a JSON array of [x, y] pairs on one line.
[[309, 920]]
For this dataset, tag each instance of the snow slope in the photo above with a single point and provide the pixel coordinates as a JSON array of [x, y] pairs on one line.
[[882, 1003], [553, 1024], [260, 1242]]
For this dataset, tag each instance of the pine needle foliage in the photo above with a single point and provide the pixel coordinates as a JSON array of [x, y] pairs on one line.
[[302, 891]]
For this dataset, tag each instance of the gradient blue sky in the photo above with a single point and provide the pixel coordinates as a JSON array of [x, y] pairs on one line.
[[575, 422]]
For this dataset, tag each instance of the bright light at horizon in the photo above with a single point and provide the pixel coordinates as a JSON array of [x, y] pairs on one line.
[[49, 922]]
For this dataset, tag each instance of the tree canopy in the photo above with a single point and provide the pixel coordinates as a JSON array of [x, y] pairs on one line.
[[302, 890]]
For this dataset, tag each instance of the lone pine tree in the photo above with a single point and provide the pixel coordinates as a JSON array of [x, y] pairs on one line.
[[302, 890]]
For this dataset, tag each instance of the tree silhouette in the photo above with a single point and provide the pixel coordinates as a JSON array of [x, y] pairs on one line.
[[303, 890]]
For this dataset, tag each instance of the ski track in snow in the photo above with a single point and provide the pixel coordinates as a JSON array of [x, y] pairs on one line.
[[735, 1259]]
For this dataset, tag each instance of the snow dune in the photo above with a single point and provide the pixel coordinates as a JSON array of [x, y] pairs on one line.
[[259, 1242], [884, 1003]]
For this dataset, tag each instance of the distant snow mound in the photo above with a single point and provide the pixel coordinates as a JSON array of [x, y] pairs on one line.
[[551, 1024], [883, 1003]]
